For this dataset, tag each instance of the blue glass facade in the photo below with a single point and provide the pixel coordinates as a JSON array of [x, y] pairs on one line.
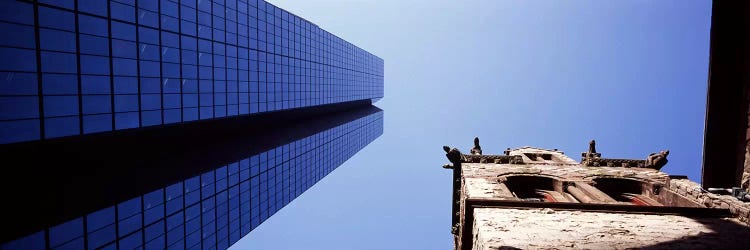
[[215, 209], [80, 67]]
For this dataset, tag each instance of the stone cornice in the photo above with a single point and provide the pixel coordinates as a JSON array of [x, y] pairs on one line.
[[609, 162], [499, 159]]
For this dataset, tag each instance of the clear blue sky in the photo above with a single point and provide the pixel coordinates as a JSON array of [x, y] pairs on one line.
[[552, 74]]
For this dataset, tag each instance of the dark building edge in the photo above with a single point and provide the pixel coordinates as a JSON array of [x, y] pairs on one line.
[[727, 96], [82, 174]]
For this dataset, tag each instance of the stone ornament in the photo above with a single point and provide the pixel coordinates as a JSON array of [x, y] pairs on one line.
[[657, 160], [591, 158], [476, 150], [454, 156], [517, 159]]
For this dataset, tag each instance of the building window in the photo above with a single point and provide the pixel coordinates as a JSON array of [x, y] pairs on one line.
[[532, 188], [626, 190], [542, 157]]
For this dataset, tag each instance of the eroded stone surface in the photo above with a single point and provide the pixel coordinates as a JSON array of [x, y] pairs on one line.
[[693, 191], [499, 227], [481, 177], [495, 228]]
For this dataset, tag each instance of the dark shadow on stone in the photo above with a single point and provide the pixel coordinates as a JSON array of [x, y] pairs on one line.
[[726, 234]]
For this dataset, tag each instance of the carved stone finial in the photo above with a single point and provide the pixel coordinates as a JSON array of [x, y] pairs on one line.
[[454, 156], [657, 160], [589, 158], [476, 150]]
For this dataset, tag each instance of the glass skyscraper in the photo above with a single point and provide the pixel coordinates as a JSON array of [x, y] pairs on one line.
[[169, 124], [217, 207], [80, 67]]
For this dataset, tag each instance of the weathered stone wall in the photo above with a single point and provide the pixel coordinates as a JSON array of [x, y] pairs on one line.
[[693, 191], [481, 179], [573, 172], [495, 228]]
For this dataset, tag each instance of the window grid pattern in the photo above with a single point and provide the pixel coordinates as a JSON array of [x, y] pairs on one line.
[[215, 209], [78, 67]]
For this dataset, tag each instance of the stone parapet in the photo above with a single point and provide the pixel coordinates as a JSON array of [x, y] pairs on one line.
[[694, 191], [568, 172], [510, 200]]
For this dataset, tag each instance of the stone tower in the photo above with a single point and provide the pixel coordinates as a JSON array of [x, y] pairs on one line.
[[533, 198]]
